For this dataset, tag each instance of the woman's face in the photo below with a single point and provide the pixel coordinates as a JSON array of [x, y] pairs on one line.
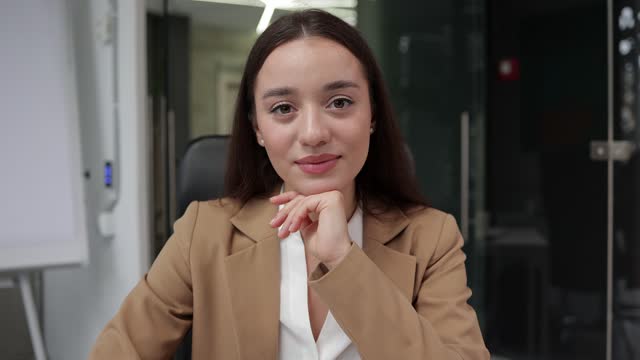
[[313, 115]]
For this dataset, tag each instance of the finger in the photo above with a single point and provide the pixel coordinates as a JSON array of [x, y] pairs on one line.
[[306, 222], [286, 224], [305, 210], [295, 214], [283, 198], [311, 207], [282, 214], [299, 219], [301, 223]]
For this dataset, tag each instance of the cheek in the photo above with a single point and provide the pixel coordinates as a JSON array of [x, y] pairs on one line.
[[362, 150], [273, 136], [358, 140], [278, 144], [359, 135]]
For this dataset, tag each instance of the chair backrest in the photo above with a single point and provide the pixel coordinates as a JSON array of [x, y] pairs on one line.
[[200, 178], [201, 171]]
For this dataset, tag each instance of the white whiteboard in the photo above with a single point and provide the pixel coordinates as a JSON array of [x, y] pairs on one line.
[[42, 208]]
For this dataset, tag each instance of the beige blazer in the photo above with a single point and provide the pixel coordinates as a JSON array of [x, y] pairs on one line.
[[403, 296]]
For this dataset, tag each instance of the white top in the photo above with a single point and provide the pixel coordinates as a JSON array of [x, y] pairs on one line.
[[296, 338]]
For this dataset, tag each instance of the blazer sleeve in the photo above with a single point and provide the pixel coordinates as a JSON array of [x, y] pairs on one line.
[[158, 311], [383, 324]]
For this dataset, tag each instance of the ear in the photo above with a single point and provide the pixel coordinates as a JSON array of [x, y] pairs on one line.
[[259, 138], [256, 130]]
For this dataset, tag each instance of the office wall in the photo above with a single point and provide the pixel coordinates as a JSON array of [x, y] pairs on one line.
[[79, 301]]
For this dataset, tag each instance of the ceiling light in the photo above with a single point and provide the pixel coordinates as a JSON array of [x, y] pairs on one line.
[[265, 19], [256, 3], [291, 4]]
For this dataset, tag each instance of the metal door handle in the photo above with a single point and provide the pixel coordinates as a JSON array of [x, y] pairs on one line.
[[464, 174], [621, 150]]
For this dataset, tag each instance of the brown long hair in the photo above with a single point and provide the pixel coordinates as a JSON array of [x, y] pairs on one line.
[[387, 174]]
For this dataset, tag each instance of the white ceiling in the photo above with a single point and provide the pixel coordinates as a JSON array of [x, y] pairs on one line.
[[243, 14]]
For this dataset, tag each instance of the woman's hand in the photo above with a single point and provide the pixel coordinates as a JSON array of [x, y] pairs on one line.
[[321, 219]]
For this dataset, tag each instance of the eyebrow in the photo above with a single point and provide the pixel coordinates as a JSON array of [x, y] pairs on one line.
[[276, 92], [284, 91], [340, 84]]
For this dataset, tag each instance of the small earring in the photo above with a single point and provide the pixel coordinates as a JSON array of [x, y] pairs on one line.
[[261, 141], [371, 130]]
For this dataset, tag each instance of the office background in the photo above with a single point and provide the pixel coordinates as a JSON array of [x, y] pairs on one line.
[[527, 112]]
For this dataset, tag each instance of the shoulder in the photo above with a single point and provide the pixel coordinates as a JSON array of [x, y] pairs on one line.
[[223, 207], [432, 231], [205, 215], [208, 225], [220, 208], [431, 220], [428, 218]]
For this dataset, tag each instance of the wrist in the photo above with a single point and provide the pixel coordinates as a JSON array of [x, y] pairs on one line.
[[343, 253]]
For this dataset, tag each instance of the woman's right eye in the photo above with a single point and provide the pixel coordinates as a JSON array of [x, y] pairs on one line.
[[282, 109]]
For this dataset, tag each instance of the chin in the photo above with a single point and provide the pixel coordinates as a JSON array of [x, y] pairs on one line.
[[317, 186]]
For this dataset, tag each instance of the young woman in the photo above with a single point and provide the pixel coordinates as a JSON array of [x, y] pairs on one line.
[[323, 247]]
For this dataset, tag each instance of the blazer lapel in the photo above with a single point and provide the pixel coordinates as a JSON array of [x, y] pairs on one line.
[[253, 273], [398, 266], [253, 277]]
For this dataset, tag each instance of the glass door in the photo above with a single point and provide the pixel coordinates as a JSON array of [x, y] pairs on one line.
[[434, 60], [546, 195], [500, 103], [624, 169]]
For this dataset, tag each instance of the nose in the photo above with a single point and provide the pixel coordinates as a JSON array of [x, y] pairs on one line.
[[314, 130]]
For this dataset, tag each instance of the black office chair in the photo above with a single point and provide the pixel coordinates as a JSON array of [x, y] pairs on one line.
[[201, 171], [200, 177]]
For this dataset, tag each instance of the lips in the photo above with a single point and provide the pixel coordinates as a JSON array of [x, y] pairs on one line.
[[316, 159], [317, 164]]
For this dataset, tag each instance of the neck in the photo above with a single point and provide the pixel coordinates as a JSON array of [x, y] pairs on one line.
[[350, 201]]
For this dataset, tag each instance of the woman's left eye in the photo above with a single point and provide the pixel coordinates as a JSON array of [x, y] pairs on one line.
[[341, 103]]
